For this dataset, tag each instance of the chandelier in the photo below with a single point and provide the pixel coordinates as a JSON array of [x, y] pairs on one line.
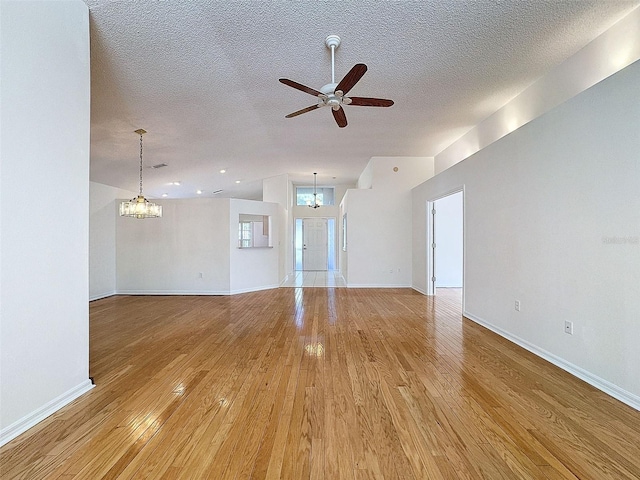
[[315, 203], [140, 207]]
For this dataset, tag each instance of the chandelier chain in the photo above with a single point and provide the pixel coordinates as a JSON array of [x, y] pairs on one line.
[[315, 192], [140, 164]]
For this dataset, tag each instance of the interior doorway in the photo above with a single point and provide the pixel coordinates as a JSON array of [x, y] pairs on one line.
[[446, 244], [315, 243]]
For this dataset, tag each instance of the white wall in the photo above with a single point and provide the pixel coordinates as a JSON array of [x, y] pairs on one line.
[[193, 250], [253, 269], [365, 180], [379, 223], [448, 240], [44, 213], [278, 189], [552, 218], [103, 208], [616, 48], [167, 255]]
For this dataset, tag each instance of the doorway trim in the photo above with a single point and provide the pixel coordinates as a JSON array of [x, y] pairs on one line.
[[430, 253]]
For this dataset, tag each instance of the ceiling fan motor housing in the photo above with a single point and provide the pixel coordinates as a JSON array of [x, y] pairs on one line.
[[330, 98]]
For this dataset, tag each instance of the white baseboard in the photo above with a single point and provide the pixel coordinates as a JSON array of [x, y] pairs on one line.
[[172, 292], [419, 290], [601, 384], [191, 292], [25, 423], [102, 295], [368, 285], [253, 289]]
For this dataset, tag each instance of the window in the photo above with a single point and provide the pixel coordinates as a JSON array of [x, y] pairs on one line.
[[245, 234], [304, 195]]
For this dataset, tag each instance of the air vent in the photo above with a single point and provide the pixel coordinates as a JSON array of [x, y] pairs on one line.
[[160, 165], [217, 191]]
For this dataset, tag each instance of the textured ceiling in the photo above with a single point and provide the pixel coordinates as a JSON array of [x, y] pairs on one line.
[[202, 78]]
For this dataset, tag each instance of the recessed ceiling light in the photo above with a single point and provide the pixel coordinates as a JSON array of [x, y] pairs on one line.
[[199, 192], [237, 181], [165, 194], [176, 183], [223, 171]]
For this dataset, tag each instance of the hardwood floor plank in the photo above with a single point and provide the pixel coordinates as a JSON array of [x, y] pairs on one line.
[[322, 384], [268, 445]]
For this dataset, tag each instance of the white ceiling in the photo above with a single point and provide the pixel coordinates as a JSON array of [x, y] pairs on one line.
[[202, 78]]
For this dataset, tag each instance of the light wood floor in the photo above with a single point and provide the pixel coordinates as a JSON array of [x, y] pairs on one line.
[[321, 384]]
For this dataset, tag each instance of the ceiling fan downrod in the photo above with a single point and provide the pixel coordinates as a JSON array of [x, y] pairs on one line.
[[331, 97], [332, 42]]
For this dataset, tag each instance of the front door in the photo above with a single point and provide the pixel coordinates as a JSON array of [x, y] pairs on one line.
[[314, 248]]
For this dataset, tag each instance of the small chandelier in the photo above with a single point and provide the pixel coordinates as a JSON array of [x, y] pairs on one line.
[[140, 207], [315, 203]]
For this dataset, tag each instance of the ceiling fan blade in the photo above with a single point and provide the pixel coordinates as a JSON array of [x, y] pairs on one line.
[[299, 86], [351, 78], [370, 102], [304, 110], [341, 118]]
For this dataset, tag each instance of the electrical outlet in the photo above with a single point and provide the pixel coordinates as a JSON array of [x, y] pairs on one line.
[[568, 327], [517, 305]]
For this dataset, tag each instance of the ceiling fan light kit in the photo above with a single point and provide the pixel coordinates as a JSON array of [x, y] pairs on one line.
[[333, 94]]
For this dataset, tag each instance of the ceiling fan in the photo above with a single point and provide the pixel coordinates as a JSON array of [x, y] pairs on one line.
[[334, 94]]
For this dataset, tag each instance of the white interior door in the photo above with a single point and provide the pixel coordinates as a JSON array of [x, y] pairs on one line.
[[448, 238], [315, 246]]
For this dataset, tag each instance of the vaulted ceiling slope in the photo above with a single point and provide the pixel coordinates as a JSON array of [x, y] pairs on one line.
[[202, 78]]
